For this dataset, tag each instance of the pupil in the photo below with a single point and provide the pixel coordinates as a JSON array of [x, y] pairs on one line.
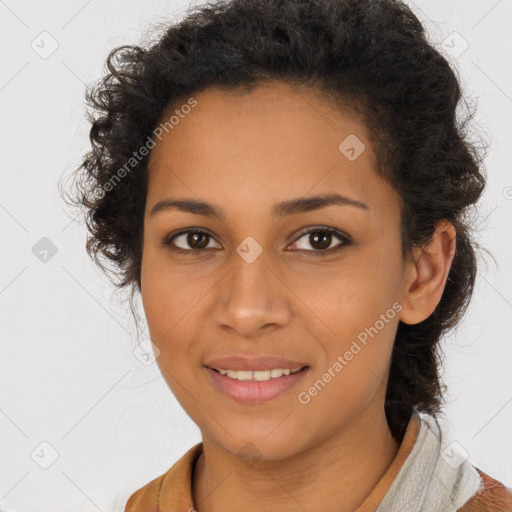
[[314, 239], [193, 237]]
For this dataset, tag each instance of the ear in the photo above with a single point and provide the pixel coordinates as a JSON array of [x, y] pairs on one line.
[[426, 274]]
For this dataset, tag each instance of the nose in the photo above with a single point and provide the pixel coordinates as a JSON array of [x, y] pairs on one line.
[[251, 299]]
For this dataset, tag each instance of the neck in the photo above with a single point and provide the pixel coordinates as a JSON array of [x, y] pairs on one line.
[[337, 474]]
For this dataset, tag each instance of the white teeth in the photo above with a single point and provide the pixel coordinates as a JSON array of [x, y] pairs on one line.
[[261, 375], [258, 375]]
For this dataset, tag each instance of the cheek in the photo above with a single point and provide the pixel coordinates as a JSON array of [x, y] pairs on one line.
[[167, 295], [172, 300], [357, 348], [350, 295], [353, 313]]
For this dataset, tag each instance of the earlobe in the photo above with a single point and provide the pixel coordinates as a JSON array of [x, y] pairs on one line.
[[427, 274]]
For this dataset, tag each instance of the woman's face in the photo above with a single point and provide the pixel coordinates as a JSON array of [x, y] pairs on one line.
[[261, 291]]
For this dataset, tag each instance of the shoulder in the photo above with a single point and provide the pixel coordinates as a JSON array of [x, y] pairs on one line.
[[171, 490], [492, 496], [146, 498]]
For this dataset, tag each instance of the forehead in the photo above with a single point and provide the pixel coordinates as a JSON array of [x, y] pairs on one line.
[[258, 145], [275, 113]]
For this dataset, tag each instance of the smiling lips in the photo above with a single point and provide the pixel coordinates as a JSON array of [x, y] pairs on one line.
[[257, 375], [253, 380]]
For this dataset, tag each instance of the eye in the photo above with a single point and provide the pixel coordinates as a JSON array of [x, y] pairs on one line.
[[193, 241], [197, 240], [321, 239]]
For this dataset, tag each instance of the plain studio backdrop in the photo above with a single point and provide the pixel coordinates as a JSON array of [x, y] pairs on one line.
[[84, 421]]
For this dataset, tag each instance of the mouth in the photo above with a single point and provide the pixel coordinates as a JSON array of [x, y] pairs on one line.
[[258, 375], [255, 386]]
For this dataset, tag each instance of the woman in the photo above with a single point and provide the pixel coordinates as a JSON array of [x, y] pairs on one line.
[[285, 183]]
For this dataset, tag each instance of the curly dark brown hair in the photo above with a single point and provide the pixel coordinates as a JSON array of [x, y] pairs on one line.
[[371, 56]]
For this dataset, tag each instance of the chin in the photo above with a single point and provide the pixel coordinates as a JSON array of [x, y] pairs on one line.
[[258, 445]]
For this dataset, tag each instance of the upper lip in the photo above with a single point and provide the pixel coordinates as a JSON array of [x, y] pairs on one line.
[[259, 363]]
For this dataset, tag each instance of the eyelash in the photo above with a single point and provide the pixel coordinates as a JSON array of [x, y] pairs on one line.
[[168, 242]]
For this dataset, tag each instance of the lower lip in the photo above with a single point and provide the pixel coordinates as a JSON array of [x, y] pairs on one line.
[[255, 392]]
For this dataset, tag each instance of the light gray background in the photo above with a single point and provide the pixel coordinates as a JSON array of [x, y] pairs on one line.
[[69, 377]]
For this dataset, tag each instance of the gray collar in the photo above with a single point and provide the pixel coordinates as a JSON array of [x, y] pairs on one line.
[[436, 476]]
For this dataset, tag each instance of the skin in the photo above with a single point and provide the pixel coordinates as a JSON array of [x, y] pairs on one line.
[[244, 153]]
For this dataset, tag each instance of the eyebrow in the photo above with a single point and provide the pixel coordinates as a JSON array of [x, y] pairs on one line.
[[282, 209]]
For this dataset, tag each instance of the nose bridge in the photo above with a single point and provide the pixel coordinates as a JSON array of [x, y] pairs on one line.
[[251, 274], [251, 296]]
